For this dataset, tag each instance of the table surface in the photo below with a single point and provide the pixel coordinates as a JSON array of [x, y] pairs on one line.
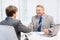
[[39, 36]]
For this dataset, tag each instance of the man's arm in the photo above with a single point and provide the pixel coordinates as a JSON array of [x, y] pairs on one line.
[[51, 25], [23, 28], [31, 25], [50, 30]]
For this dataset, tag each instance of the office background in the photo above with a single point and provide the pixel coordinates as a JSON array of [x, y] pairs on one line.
[[27, 9]]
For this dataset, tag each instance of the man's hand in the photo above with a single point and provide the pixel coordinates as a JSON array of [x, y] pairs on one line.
[[46, 31]]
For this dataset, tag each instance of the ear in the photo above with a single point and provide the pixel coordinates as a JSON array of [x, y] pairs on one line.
[[14, 15]]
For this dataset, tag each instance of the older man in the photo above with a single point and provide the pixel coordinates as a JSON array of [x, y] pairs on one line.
[[41, 21]]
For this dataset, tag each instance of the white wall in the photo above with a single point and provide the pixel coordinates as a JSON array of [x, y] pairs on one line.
[[59, 10], [0, 10], [27, 9]]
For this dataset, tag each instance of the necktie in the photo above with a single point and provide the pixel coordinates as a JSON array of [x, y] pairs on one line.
[[39, 24]]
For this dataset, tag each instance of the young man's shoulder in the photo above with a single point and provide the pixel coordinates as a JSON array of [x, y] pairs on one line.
[[16, 20]]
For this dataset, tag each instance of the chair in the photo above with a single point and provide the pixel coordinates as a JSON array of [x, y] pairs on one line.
[[7, 33]]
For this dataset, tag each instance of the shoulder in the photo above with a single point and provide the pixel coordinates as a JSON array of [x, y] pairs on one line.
[[48, 16], [16, 20]]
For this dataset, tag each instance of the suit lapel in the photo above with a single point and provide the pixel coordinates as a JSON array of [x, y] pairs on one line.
[[37, 20]]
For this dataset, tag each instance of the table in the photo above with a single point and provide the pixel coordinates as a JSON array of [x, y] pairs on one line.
[[39, 36]]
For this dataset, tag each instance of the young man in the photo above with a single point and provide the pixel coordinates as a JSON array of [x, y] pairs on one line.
[[11, 12]]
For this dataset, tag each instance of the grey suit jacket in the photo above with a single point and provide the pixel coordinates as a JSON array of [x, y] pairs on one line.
[[19, 27], [47, 22]]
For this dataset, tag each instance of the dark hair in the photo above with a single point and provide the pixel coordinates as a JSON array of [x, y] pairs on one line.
[[10, 10]]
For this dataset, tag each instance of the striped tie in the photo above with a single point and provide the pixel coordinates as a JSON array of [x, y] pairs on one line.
[[39, 24]]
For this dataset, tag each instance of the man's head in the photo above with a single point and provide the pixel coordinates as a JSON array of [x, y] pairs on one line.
[[39, 10], [11, 11]]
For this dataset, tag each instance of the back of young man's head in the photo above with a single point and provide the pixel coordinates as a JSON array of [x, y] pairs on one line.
[[10, 10]]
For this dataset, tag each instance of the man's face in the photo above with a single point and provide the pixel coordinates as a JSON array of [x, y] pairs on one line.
[[39, 11]]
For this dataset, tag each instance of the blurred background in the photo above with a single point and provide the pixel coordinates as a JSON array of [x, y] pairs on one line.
[[26, 9]]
